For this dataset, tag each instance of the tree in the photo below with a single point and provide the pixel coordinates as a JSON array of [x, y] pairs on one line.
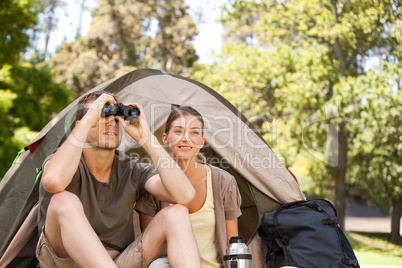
[[17, 19], [173, 48], [31, 99], [80, 68], [126, 35], [376, 151], [79, 26], [290, 60], [28, 95], [50, 19]]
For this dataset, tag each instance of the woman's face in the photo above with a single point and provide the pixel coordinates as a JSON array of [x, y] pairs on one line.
[[184, 138]]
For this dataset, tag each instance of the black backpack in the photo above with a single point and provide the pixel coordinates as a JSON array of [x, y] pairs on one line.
[[306, 234]]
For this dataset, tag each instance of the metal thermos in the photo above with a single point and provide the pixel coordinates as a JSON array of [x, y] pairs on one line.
[[237, 254]]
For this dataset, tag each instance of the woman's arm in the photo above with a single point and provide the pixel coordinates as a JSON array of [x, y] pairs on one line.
[[231, 229]]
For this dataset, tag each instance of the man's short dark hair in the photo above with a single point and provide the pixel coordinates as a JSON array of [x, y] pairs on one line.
[[82, 107]]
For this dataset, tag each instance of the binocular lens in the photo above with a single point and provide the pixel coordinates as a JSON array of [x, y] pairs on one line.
[[106, 108], [127, 112]]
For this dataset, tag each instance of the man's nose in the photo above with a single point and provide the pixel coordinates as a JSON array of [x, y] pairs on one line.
[[112, 121]]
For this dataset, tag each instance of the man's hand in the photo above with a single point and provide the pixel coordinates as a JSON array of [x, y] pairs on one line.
[[92, 117], [61, 168], [171, 184]]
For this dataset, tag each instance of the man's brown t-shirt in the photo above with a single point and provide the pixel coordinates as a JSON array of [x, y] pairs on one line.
[[108, 207]]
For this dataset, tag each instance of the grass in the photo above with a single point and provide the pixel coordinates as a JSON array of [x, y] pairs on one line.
[[374, 248]]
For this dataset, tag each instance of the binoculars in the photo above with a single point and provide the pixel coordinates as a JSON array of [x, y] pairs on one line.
[[128, 112]]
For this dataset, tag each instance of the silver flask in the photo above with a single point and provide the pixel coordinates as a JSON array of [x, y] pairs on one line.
[[237, 254]]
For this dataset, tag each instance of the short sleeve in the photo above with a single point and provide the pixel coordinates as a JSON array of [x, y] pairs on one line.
[[46, 160], [231, 200], [76, 177], [147, 171], [147, 204]]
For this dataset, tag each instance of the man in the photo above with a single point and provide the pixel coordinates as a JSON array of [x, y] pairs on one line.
[[88, 190]]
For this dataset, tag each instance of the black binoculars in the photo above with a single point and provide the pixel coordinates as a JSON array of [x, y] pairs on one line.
[[128, 112]]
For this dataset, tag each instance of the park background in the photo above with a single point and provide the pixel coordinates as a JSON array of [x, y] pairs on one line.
[[320, 80]]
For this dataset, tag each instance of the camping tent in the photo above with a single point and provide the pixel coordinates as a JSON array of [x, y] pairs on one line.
[[231, 143]]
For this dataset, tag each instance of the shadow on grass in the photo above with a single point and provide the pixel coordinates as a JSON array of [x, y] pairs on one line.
[[375, 248]]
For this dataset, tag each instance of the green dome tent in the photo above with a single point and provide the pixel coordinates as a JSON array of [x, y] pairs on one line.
[[231, 143]]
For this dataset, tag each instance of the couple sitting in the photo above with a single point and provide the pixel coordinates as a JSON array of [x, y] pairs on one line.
[[89, 189]]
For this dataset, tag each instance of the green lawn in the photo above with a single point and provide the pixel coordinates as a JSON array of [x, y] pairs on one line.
[[374, 248]]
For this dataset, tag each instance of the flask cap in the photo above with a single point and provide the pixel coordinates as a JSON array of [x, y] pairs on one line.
[[236, 239]]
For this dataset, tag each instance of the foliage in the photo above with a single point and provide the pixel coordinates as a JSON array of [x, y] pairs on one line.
[[300, 62], [17, 19], [377, 148], [49, 19], [39, 98], [80, 68], [123, 34], [29, 97]]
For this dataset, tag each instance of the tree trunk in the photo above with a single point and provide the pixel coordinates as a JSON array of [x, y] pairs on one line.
[[79, 26], [125, 49], [340, 187], [47, 38], [396, 220]]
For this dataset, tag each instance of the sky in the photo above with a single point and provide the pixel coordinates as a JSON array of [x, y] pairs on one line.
[[208, 39]]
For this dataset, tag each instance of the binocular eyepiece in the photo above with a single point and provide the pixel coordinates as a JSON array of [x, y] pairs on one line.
[[128, 112]]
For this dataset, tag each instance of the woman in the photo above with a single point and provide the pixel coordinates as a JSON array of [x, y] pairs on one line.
[[216, 206]]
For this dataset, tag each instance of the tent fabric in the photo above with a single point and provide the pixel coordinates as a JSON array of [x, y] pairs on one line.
[[231, 143], [25, 233]]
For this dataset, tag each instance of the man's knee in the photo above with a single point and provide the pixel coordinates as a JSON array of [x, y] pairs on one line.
[[64, 203]]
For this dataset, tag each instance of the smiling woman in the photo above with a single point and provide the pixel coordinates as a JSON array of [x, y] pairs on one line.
[[184, 137]]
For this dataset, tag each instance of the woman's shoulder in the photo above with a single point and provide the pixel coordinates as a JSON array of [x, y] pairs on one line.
[[222, 174], [226, 185], [219, 170]]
